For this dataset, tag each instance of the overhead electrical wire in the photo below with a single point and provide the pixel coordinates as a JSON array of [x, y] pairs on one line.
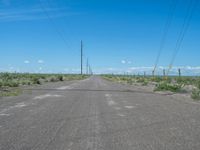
[[166, 29], [190, 11], [50, 5], [58, 31]]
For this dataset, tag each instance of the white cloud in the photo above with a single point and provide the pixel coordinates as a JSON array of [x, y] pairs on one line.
[[35, 13], [141, 68], [66, 69], [40, 61], [161, 67], [123, 61], [26, 61], [110, 69], [185, 70], [126, 62]]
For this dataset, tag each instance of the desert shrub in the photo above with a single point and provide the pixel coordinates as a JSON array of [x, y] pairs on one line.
[[188, 80], [6, 76], [140, 80], [145, 83], [10, 84], [16, 79], [156, 79], [36, 80], [198, 84], [129, 81], [195, 94], [25, 82], [123, 79], [14, 84], [53, 79], [184, 80], [164, 86], [60, 78], [11, 92], [70, 77]]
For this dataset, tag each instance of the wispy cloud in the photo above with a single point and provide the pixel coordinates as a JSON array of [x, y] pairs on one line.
[[33, 14], [123, 61], [126, 62], [26, 61], [66, 70], [40, 61]]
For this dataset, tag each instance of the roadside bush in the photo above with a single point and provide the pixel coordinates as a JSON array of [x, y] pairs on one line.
[[141, 80], [53, 79], [198, 84], [195, 94], [156, 79], [168, 87], [129, 81], [14, 84], [6, 76], [10, 92], [10, 84], [25, 82], [60, 78], [10, 80], [145, 83], [36, 80]]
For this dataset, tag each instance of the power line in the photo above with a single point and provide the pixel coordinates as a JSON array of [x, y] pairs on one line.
[[81, 57], [190, 10], [51, 6], [166, 29], [60, 34]]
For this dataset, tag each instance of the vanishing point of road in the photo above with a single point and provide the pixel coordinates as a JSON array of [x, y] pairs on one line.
[[95, 114]]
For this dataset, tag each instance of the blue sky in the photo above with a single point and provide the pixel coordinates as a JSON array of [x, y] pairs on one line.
[[118, 36]]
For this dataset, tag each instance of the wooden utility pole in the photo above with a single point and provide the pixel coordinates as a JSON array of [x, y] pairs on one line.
[[87, 63], [144, 74], [153, 73], [81, 57], [179, 72], [164, 73], [90, 70]]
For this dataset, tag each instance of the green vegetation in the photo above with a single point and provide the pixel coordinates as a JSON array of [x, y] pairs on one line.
[[196, 91], [164, 86], [10, 83], [173, 83], [195, 94], [10, 92], [126, 79]]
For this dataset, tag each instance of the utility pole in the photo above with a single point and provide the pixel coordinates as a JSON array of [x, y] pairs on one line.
[[179, 72], [144, 74], [153, 73], [164, 73], [90, 72], [81, 57], [87, 67]]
